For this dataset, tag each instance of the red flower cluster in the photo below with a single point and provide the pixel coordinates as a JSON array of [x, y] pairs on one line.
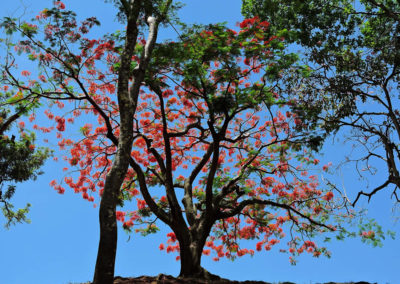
[[250, 22], [60, 123], [60, 5]]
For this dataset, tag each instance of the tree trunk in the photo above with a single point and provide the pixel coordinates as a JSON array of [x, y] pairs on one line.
[[191, 250], [104, 271], [105, 263], [191, 262]]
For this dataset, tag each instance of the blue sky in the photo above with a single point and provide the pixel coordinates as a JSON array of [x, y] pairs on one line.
[[60, 244]]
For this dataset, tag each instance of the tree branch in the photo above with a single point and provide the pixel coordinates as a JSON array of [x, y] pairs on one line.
[[245, 203]]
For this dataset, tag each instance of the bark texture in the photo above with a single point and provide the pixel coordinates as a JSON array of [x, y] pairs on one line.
[[192, 242], [128, 94], [105, 263]]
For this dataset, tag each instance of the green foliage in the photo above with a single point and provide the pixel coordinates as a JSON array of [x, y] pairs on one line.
[[13, 217], [202, 46], [20, 160], [351, 77], [9, 26], [148, 7], [150, 229], [309, 22], [350, 43]]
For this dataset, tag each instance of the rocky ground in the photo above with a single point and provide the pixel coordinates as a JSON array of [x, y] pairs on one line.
[[168, 279]]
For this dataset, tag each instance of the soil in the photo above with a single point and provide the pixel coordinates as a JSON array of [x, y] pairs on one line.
[[168, 279]]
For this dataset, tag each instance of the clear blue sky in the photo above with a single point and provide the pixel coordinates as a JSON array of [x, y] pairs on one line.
[[60, 244]]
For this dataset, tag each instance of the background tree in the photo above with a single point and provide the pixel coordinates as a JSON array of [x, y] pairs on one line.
[[19, 159], [353, 50]]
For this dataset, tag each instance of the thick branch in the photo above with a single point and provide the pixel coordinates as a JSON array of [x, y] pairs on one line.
[[160, 213], [386, 183], [10, 120], [172, 199], [188, 186]]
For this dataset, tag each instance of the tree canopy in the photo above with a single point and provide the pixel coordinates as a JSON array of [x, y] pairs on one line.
[[20, 160], [353, 51]]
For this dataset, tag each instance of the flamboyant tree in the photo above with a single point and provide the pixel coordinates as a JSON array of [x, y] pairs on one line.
[[64, 53], [215, 129], [354, 51], [218, 156]]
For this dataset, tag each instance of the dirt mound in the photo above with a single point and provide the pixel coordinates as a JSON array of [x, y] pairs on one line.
[[168, 279]]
